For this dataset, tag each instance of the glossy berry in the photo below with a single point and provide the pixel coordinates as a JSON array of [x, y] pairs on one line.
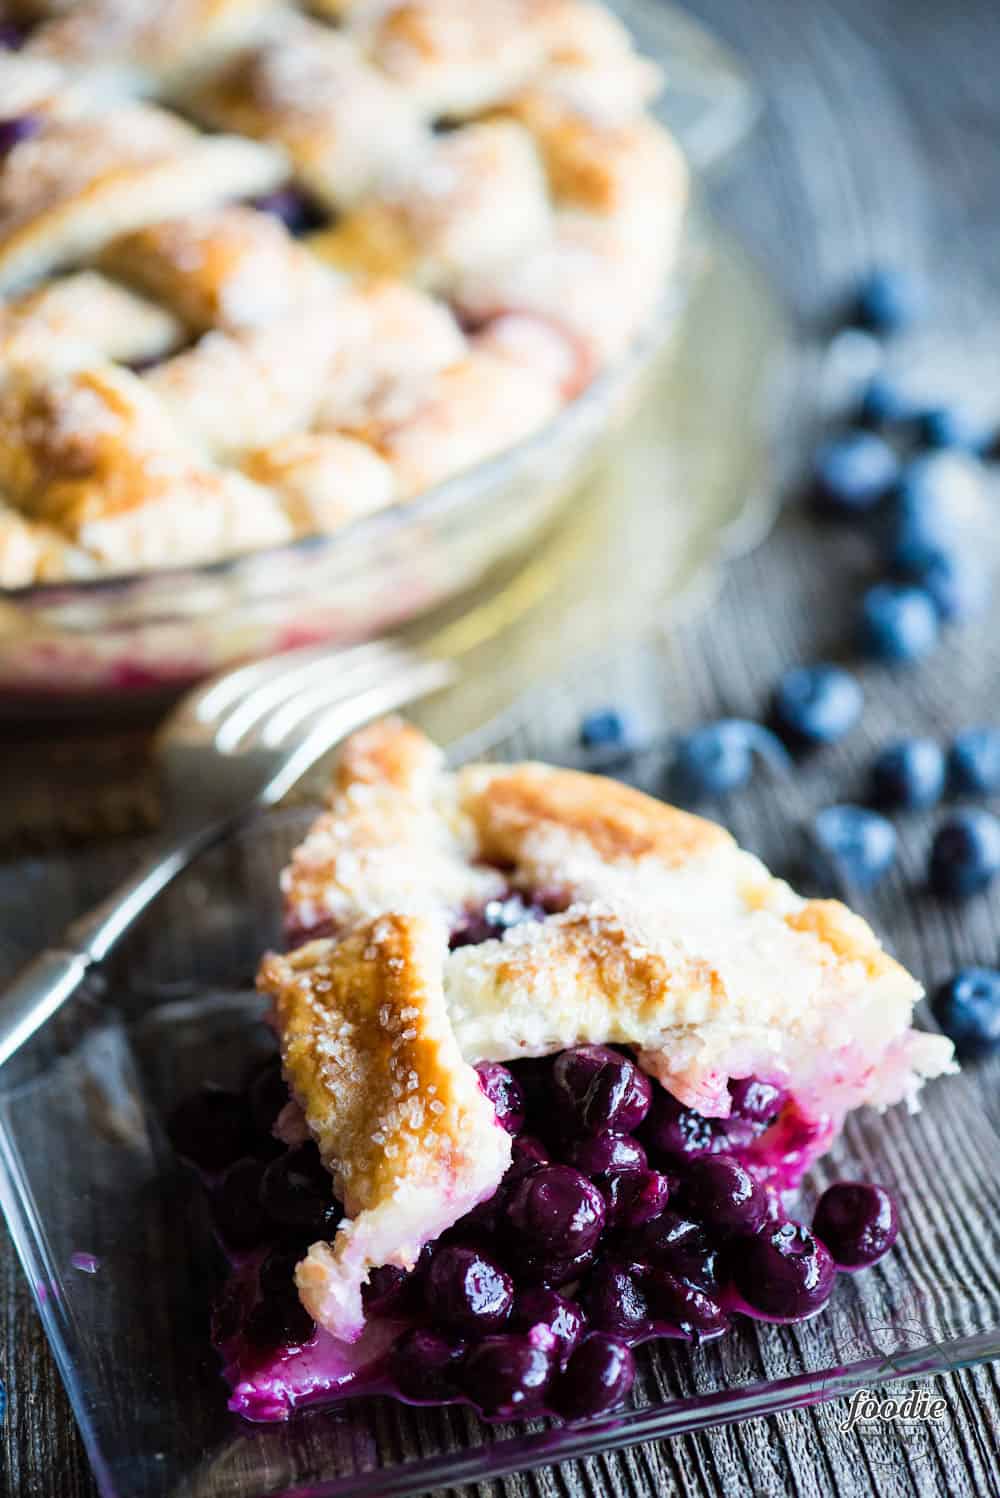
[[555, 1212], [615, 1301], [853, 473], [386, 1288], [563, 1318], [598, 1377], [504, 1092], [297, 1192], [596, 1154], [974, 762], [276, 1275], [719, 758], [507, 1376], [682, 1305], [280, 1320], [551, 1271], [672, 1132], [604, 729], [934, 498], [212, 1129], [755, 1099], [673, 1243], [600, 1089], [898, 623], [632, 1197], [885, 402], [782, 1272], [466, 1291], [856, 1222], [850, 845], [908, 775], [967, 1007], [16, 129], [240, 1218], [957, 584], [816, 705], [721, 1193], [965, 853], [888, 300], [496, 917], [424, 1365]]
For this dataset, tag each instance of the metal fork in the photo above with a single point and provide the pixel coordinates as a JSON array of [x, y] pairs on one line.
[[236, 744]]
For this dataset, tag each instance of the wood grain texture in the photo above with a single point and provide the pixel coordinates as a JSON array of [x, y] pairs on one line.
[[879, 142]]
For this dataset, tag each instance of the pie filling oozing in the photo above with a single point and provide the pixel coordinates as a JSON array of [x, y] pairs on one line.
[[509, 1215]]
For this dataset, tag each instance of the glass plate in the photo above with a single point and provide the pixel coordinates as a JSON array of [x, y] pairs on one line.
[[113, 1238]]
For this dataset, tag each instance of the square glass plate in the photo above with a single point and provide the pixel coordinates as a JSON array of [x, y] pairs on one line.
[[112, 1235]]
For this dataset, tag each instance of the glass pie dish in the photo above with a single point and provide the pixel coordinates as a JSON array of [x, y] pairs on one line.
[[126, 637]]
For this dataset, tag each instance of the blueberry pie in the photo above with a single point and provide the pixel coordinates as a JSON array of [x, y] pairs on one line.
[[264, 270], [552, 1057]]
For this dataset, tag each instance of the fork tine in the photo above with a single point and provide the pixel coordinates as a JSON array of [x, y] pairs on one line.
[[222, 692]]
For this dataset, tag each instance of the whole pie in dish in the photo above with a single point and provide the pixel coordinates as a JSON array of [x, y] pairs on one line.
[[263, 272], [554, 1057]]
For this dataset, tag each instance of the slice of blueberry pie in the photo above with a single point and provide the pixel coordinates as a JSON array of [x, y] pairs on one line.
[[552, 1056]]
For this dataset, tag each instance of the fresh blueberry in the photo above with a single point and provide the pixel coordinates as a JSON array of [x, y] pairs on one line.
[[850, 845], [756, 1100], [853, 473], [604, 729], [296, 1191], [466, 1291], [719, 758], [504, 1092], [816, 705], [599, 1088], [951, 426], [965, 853], [908, 775], [957, 584], [562, 1317], [596, 1154], [615, 1301], [898, 623], [238, 1214], [857, 1222], [598, 1376], [632, 1197], [507, 1376], [720, 1192], [16, 129], [683, 1305], [934, 498], [783, 1272], [424, 1365], [212, 1129], [974, 762], [885, 403], [555, 1212], [889, 300], [673, 1243], [967, 1007]]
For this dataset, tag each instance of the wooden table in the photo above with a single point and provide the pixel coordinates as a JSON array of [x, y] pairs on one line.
[[879, 142]]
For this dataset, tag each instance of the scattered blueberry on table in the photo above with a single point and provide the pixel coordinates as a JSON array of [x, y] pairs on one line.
[[898, 623], [604, 729], [852, 473], [967, 1007], [885, 402], [965, 853], [956, 584], [908, 775], [974, 762], [923, 517], [815, 705], [857, 1222], [889, 300], [850, 846], [951, 426], [719, 757]]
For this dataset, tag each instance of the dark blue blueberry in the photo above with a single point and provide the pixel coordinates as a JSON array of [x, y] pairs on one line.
[[598, 1376], [297, 212], [850, 846], [783, 1272], [857, 1222], [816, 704], [551, 1272], [212, 1128], [672, 1132], [11, 40], [555, 1212], [967, 1007], [908, 775], [598, 1088], [889, 300], [615, 1301], [898, 623], [853, 472], [756, 1100], [974, 762], [495, 917], [296, 1191], [18, 128], [673, 1243], [424, 1365], [280, 1320], [236, 1208], [885, 403], [965, 853], [562, 1317], [632, 1197], [923, 518], [467, 1291], [682, 1305], [387, 1285], [267, 1096], [504, 1092], [605, 729], [596, 1154], [950, 426], [719, 757], [721, 1193], [957, 584], [507, 1376]]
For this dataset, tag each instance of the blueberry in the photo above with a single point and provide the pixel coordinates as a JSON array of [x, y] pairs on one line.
[[885, 403], [213, 1128], [965, 853], [551, 1271], [935, 495], [504, 1092], [889, 300], [898, 623], [719, 757], [596, 1154], [632, 1197], [958, 585], [673, 1132], [601, 1089], [236, 1208], [598, 1377], [276, 1275], [850, 845], [11, 37], [555, 1212], [721, 1193], [424, 1365], [783, 1272], [562, 1317], [507, 1376], [950, 426], [967, 1007], [816, 704], [673, 1243], [267, 1095], [605, 729], [387, 1285], [280, 1320], [17, 128], [295, 210], [908, 775], [466, 1291], [683, 1305], [857, 1222], [756, 1100], [852, 473], [615, 1301], [974, 762], [296, 1191]]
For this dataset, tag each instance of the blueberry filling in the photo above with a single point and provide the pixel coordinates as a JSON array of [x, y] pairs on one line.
[[296, 210], [16, 129]]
